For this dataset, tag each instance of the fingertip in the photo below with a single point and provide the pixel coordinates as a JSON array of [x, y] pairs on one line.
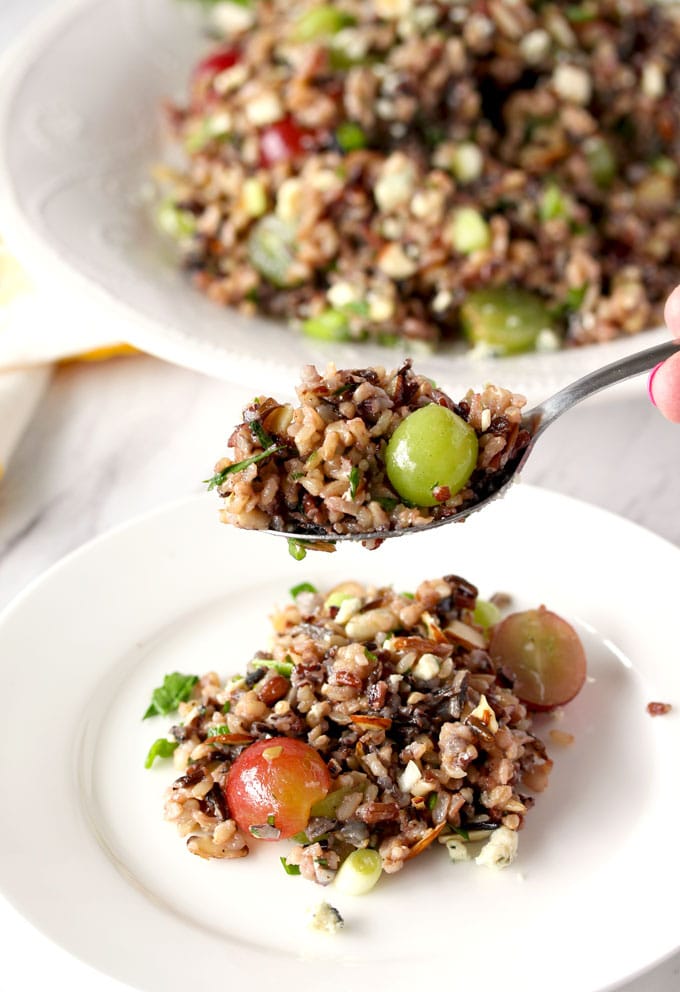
[[672, 312], [664, 388]]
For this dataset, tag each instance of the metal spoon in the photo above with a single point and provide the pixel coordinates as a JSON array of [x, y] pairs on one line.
[[535, 421]]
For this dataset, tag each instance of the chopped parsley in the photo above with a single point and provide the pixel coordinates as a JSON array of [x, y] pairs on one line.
[[219, 478], [354, 479], [260, 434], [284, 667], [222, 729], [161, 748], [166, 698]]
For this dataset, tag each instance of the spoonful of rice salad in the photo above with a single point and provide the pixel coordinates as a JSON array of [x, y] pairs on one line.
[[369, 454]]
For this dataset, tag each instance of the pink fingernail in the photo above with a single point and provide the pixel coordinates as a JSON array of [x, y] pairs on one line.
[[651, 380]]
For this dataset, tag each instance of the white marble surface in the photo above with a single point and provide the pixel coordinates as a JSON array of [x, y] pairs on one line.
[[114, 440]]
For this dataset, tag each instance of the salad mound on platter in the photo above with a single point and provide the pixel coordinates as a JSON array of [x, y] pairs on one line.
[[376, 723], [503, 174]]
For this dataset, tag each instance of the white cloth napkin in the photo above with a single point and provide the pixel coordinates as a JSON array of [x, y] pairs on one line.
[[36, 331]]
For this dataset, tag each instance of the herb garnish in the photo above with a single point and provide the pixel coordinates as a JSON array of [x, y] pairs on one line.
[[260, 434], [354, 478], [219, 478], [161, 748], [166, 698], [222, 729]]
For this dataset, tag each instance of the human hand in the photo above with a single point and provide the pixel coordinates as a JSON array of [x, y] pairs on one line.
[[664, 380]]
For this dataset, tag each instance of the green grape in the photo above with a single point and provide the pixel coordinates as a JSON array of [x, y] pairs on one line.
[[331, 325], [321, 22], [432, 447], [271, 249], [505, 319]]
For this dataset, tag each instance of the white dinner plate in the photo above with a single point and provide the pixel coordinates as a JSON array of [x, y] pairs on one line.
[[79, 131], [88, 858]]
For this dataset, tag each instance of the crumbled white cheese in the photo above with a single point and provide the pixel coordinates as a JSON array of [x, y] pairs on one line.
[[353, 43], [290, 200], [442, 301], [232, 18], [326, 919], [393, 9], [380, 308], [457, 848], [341, 294], [427, 203], [572, 83], [266, 108], [500, 849], [534, 46], [427, 667], [395, 263], [396, 182], [325, 180], [547, 340], [468, 162], [653, 81], [231, 78]]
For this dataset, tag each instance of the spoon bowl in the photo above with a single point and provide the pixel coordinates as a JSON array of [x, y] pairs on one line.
[[534, 421]]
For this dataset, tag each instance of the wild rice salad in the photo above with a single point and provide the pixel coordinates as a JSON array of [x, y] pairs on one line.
[[335, 464], [396, 696], [378, 168]]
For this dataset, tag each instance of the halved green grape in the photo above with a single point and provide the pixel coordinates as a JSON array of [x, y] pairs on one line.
[[271, 248], [505, 319], [330, 325], [173, 220], [321, 22], [432, 449], [544, 654]]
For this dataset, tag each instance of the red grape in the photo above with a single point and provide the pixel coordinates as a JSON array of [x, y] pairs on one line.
[[212, 65], [544, 655], [273, 784], [282, 142]]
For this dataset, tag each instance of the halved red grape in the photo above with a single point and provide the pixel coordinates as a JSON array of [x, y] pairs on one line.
[[544, 654], [282, 142], [212, 65], [272, 786]]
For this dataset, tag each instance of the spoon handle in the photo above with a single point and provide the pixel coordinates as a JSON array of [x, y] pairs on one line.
[[592, 383]]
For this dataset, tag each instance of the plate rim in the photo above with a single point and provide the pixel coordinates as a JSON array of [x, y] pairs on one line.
[[146, 332], [187, 504]]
